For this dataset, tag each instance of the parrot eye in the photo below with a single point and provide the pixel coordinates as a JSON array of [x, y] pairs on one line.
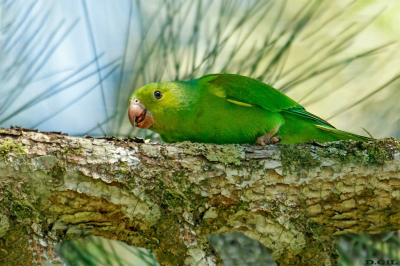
[[158, 95]]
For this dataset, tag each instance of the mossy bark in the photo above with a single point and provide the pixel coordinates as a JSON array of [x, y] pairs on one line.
[[292, 198]]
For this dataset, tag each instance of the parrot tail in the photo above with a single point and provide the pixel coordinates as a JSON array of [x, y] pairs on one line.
[[344, 133]]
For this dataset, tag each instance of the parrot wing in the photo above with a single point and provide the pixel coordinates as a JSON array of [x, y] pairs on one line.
[[250, 92], [300, 111]]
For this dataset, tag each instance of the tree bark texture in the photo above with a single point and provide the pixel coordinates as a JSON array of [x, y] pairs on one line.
[[294, 199]]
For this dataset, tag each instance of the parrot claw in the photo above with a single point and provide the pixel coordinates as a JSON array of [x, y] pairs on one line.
[[262, 141], [268, 138], [275, 139]]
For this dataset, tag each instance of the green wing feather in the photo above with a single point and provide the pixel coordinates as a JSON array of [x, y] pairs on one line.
[[254, 92], [300, 111], [248, 90]]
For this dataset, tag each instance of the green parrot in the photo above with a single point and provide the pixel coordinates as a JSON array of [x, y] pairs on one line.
[[227, 108]]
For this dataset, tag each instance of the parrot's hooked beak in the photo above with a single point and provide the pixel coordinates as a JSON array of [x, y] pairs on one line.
[[138, 114]]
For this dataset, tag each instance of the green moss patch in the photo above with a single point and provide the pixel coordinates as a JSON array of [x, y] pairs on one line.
[[298, 159], [9, 147]]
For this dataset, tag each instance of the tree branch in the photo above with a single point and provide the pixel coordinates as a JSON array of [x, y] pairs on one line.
[[167, 197]]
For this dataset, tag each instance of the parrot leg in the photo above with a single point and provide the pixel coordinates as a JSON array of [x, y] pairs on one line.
[[268, 139]]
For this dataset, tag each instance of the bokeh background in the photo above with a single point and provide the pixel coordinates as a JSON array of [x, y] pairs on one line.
[[71, 66]]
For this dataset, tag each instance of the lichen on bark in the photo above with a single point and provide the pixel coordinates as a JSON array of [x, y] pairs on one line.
[[168, 197]]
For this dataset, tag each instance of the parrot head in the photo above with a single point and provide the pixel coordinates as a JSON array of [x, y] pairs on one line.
[[157, 105]]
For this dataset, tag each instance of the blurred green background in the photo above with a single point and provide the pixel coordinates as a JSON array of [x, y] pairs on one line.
[[71, 66]]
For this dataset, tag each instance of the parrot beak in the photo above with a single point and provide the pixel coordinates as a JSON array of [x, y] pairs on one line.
[[138, 114]]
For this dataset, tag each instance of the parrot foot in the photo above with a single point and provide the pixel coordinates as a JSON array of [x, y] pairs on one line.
[[264, 141], [275, 139], [268, 139]]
